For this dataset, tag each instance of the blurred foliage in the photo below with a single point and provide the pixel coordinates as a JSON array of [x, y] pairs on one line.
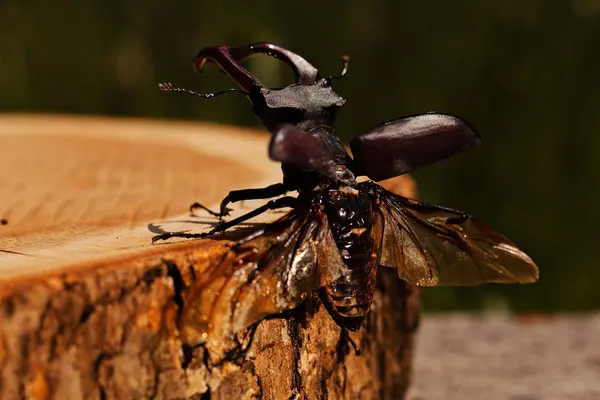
[[524, 73]]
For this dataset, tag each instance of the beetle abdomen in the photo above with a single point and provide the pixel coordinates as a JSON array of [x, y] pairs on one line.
[[349, 298]]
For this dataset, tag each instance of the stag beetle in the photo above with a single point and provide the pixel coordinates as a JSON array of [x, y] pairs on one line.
[[339, 230]]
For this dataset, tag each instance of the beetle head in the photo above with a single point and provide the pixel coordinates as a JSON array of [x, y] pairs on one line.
[[308, 103], [305, 106]]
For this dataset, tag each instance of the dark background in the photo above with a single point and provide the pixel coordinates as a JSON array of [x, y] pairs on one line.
[[524, 73]]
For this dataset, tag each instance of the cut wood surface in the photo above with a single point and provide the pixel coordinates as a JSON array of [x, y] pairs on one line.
[[89, 307], [75, 189]]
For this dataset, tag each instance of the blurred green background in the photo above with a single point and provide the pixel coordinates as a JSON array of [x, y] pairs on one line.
[[525, 73]]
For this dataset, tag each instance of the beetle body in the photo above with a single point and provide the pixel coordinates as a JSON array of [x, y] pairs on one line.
[[339, 231]]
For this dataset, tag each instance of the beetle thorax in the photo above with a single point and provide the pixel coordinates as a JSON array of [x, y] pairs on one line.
[[305, 106]]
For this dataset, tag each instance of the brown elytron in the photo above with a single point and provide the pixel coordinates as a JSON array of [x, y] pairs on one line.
[[339, 230]]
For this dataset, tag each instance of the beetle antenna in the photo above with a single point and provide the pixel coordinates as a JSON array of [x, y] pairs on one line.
[[168, 87], [345, 61]]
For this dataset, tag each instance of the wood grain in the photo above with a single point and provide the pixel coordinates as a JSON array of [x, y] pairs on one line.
[[75, 189], [89, 308]]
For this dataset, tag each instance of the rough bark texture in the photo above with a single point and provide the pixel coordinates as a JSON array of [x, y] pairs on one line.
[[113, 334]]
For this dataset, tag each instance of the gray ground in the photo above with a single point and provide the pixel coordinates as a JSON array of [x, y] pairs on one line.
[[501, 357]]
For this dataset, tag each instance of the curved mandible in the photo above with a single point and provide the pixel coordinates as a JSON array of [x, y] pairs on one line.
[[228, 62], [304, 71]]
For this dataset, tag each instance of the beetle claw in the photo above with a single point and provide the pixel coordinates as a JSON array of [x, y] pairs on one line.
[[186, 235], [225, 212], [162, 236]]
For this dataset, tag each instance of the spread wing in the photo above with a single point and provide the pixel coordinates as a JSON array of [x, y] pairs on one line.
[[435, 246], [405, 144], [271, 270]]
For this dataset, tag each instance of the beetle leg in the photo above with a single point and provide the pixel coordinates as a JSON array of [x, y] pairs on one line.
[[239, 195], [282, 202], [169, 235]]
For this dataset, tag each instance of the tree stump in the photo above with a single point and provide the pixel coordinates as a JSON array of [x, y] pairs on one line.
[[89, 307]]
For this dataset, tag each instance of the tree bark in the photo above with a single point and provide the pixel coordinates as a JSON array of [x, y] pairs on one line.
[[106, 327], [112, 334]]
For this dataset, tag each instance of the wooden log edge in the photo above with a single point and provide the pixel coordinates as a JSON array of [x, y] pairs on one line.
[[113, 334]]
